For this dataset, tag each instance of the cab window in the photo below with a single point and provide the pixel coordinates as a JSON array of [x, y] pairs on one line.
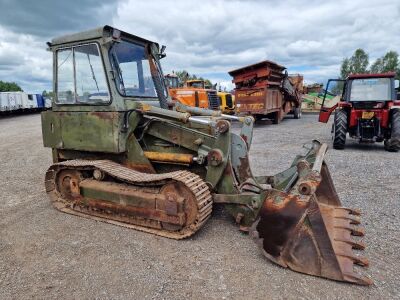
[[80, 76]]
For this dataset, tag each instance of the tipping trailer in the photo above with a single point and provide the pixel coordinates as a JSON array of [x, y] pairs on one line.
[[264, 90]]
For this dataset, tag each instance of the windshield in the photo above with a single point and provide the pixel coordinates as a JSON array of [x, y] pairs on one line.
[[196, 84], [172, 81], [370, 89], [132, 66]]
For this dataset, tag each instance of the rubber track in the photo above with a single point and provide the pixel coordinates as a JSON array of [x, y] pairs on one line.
[[393, 144], [192, 181], [340, 132]]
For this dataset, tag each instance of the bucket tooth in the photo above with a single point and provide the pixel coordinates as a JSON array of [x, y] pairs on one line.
[[356, 231], [354, 244], [345, 214], [358, 279], [359, 260], [347, 224]]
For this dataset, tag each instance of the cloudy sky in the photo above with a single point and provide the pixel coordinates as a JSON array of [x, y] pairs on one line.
[[207, 38]]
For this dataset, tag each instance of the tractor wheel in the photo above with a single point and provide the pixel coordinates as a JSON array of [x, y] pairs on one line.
[[339, 129], [393, 144], [297, 112]]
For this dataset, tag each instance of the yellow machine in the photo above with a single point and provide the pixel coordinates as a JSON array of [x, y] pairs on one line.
[[226, 103], [193, 93]]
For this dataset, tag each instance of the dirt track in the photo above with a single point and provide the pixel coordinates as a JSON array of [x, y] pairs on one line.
[[48, 254]]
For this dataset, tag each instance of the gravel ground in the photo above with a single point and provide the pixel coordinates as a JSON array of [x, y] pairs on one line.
[[48, 254]]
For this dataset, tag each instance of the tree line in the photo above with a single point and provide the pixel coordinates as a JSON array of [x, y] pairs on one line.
[[359, 63], [9, 87]]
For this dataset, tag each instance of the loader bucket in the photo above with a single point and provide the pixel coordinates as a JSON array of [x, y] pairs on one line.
[[304, 227]]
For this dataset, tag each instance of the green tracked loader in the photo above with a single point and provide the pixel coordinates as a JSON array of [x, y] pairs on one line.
[[124, 155]]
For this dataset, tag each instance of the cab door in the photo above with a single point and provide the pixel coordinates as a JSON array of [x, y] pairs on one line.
[[333, 93]]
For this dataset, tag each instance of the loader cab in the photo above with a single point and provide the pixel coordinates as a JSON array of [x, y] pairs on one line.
[[195, 83], [106, 70], [99, 76], [172, 81]]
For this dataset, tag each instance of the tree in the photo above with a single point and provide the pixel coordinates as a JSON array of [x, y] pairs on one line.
[[47, 94], [9, 87], [182, 76], [357, 63], [387, 63], [377, 66], [345, 68]]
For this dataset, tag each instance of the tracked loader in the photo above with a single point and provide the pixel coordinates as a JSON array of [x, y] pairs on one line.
[[122, 157]]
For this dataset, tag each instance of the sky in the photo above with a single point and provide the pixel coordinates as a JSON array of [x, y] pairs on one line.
[[206, 38]]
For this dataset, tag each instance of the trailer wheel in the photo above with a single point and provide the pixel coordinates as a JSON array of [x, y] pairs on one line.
[[297, 112], [393, 144], [339, 129], [276, 119]]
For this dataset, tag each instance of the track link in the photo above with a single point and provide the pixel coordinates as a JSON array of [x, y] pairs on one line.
[[144, 181]]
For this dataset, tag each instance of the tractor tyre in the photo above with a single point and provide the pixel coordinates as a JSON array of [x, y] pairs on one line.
[[393, 144], [339, 129], [297, 112]]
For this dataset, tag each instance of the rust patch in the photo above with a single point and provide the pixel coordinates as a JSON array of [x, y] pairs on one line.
[[244, 137], [103, 115], [244, 168], [185, 200], [135, 211], [140, 167], [215, 157]]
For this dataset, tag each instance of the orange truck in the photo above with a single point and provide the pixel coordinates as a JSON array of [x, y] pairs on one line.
[[193, 93], [264, 90]]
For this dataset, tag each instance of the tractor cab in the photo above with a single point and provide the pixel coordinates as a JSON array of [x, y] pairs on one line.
[[370, 93], [365, 106], [361, 91], [172, 81]]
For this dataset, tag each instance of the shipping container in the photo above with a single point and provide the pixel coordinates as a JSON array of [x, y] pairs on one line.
[[4, 106], [20, 101]]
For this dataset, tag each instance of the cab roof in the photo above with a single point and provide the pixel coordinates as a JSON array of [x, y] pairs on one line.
[[373, 75], [100, 32]]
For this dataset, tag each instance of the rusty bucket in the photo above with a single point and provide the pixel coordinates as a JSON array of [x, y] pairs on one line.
[[305, 228]]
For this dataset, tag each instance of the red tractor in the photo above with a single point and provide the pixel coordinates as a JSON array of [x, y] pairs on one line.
[[367, 110]]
